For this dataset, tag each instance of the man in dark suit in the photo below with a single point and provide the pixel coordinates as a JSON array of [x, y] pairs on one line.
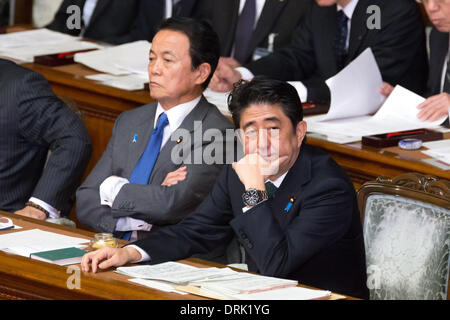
[[290, 205], [136, 184], [268, 23], [103, 20], [33, 121], [329, 39], [152, 13], [438, 103]]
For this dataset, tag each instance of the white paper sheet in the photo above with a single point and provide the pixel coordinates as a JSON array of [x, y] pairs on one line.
[[398, 113], [355, 89], [27, 242], [127, 82], [159, 285], [125, 59], [291, 293], [28, 52], [32, 38]]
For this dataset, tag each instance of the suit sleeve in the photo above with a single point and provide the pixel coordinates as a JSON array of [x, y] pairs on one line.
[[400, 49], [89, 210], [294, 62], [324, 217], [200, 232], [48, 122], [163, 205]]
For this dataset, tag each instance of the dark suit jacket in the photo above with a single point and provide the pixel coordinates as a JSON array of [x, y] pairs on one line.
[[281, 17], [32, 122], [151, 14], [399, 47], [156, 204], [110, 20], [438, 52], [319, 242]]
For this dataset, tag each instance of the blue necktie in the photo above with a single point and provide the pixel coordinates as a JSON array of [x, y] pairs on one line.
[[244, 30], [340, 51], [142, 171]]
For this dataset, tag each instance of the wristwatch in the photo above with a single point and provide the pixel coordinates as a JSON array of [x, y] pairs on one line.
[[252, 197]]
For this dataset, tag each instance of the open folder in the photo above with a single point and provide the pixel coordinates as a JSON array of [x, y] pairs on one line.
[[355, 105]]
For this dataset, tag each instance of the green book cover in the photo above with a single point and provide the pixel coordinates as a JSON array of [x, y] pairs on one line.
[[60, 256]]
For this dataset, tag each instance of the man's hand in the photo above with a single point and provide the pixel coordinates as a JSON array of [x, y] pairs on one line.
[[224, 77], [253, 170], [114, 257], [32, 213], [434, 107], [233, 63], [174, 177], [386, 89]]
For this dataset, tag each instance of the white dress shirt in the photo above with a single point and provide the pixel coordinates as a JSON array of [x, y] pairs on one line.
[[298, 85], [110, 187], [88, 10]]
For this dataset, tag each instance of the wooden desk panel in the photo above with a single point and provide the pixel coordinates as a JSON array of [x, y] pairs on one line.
[[366, 164], [24, 278]]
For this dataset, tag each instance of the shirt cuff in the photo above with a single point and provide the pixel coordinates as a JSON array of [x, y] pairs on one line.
[[301, 90], [53, 213], [245, 73], [110, 188], [144, 256]]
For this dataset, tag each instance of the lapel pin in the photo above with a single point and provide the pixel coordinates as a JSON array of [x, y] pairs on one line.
[[135, 138], [179, 140], [289, 205]]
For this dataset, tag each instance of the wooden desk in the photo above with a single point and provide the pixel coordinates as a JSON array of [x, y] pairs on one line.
[[25, 278], [366, 164]]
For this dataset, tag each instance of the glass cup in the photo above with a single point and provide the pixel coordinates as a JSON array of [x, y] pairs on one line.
[[102, 240]]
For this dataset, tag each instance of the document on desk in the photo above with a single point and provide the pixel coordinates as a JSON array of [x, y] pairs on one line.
[[398, 113], [173, 272], [24, 46], [24, 243], [129, 58], [355, 89], [291, 293]]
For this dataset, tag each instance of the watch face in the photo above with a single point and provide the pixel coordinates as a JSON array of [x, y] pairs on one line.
[[251, 197]]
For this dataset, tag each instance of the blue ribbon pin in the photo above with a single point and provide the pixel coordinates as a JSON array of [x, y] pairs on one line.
[[135, 138], [289, 205]]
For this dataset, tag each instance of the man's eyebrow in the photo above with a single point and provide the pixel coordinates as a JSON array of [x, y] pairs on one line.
[[164, 52], [270, 119]]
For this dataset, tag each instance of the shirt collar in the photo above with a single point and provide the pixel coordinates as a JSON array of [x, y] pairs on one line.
[[278, 181], [349, 8], [176, 114]]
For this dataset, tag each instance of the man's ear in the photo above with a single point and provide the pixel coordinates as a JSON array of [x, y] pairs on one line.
[[300, 131], [203, 72]]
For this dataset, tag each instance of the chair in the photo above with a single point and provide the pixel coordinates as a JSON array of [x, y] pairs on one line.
[[407, 237]]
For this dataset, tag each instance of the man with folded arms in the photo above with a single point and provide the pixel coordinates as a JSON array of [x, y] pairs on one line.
[[333, 34], [135, 187], [438, 103], [291, 207]]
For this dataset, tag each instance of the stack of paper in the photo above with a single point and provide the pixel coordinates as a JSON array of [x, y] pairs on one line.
[[220, 283], [125, 66], [355, 97], [24, 46], [439, 150], [24, 243]]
